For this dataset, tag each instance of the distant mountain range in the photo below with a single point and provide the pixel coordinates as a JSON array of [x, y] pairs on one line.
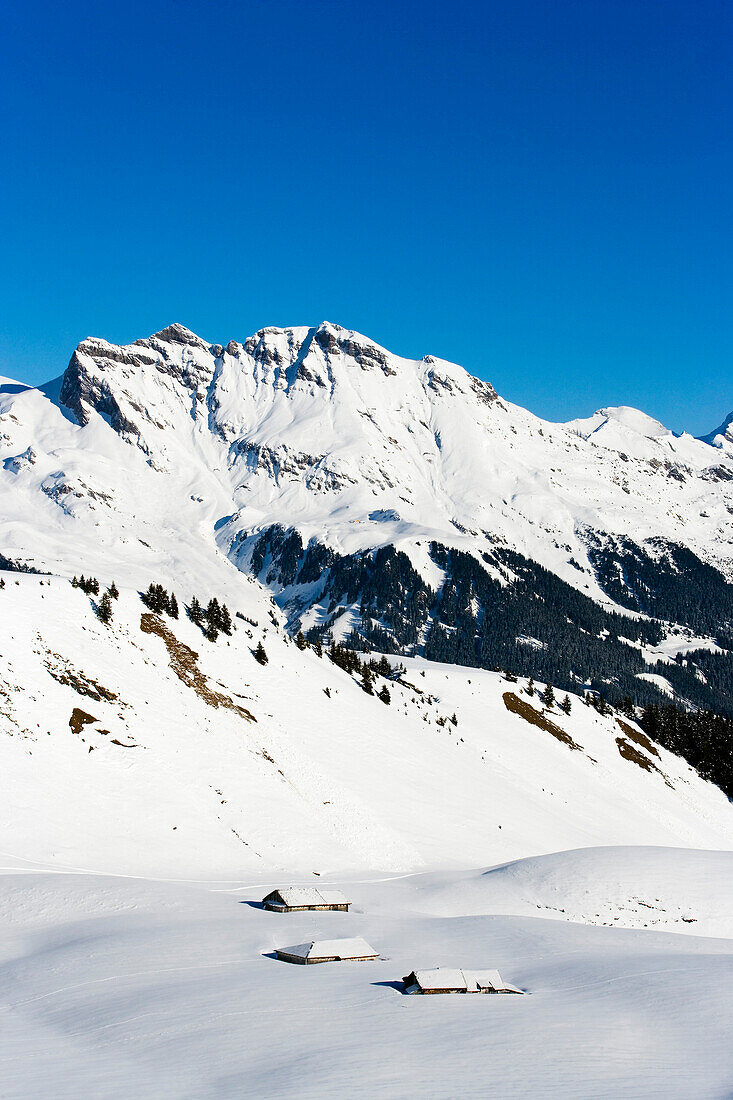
[[402, 504]]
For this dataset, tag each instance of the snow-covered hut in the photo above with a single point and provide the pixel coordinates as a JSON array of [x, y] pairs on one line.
[[322, 951], [448, 980], [290, 899]]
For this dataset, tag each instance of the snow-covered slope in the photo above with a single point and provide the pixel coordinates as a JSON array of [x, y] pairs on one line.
[[665, 889], [142, 747]]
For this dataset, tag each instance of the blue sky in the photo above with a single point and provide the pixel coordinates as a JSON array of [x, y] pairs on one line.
[[540, 191]]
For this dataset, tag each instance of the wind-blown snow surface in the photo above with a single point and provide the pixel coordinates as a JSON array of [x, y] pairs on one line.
[[117, 987], [674, 889]]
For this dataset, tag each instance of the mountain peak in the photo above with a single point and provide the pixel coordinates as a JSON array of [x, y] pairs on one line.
[[175, 334], [722, 434]]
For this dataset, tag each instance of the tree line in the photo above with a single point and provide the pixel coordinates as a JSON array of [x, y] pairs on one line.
[[703, 738]]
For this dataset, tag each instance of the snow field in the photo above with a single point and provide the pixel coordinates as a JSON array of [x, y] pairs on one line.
[[124, 987], [665, 889]]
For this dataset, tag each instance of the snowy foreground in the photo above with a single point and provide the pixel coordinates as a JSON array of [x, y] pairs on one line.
[[124, 987], [143, 810]]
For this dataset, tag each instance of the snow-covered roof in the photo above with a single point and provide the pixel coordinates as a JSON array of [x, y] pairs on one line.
[[440, 978], [485, 979], [309, 895], [469, 981], [333, 897], [355, 948]]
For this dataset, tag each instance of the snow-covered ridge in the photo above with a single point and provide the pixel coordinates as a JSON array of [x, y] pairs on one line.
[[325, 430]]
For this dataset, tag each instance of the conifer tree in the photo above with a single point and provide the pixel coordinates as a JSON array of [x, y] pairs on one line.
[[104, 610], [384, 695], [300, 640], [384, 668], [113, 591], [195, 613], [259, 654], [530, 687], [173, 606], [156, 598], [367, 679], [225, 620], [548, 696], [566, 705]]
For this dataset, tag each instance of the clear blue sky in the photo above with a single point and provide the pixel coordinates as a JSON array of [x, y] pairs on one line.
[[540, 191]]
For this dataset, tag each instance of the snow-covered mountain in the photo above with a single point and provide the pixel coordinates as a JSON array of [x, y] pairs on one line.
[[722, 436], [309, 478], [297, 454]]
